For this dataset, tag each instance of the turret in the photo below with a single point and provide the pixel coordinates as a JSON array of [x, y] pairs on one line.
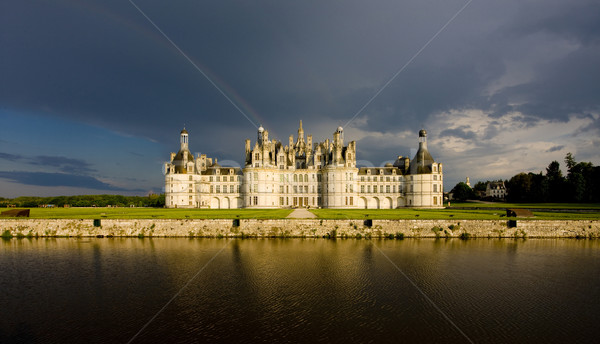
[[261, 130], [183, 140]]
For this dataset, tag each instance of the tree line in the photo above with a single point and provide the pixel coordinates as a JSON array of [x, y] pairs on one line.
[[152, 200], [580, 185]]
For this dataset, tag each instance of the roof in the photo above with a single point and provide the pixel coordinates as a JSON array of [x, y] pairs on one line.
[[518, 213], [178, 160], [387, 171], [184, 131], [422, 161]]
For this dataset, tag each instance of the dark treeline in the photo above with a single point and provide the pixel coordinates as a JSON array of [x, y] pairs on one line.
[[581, 184], [151, 200]]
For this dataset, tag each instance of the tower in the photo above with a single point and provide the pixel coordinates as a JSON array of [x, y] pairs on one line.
[[183, 140]]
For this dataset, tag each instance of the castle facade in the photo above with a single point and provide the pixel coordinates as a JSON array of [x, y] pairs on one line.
[[302, 174]]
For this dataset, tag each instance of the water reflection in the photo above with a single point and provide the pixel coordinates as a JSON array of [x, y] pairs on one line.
[[299, 290]]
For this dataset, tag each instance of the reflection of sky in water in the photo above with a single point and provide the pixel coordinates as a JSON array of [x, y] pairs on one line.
[[104, 290]]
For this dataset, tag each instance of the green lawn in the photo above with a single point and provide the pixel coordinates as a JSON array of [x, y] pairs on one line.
[[442, 214], [156, 213], [590, 206], [405, 214]]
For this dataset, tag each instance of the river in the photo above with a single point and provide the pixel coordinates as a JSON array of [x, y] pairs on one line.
[[299, 290]]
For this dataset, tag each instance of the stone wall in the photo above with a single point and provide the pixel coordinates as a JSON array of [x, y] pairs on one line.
[[300, 228]]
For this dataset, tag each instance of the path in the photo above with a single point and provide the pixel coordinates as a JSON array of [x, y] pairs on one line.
[[301, 213]]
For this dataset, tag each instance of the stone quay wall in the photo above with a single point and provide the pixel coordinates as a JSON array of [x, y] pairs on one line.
[[304, 228]]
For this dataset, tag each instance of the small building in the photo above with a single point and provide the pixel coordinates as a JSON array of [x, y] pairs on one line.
[[495, 190]]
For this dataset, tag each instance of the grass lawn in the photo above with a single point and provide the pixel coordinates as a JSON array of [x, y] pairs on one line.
[[405, 214], [588, 206], [443, 214], [156, 213]]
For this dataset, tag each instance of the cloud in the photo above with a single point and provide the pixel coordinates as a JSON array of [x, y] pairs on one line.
[[59, 179], [66, 165], [555, 148], [10, 157]]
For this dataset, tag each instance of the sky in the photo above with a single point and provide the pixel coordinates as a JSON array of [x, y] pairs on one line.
[[94, 94]]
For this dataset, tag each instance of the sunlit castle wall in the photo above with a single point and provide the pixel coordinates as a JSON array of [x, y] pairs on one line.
[[302, 174]]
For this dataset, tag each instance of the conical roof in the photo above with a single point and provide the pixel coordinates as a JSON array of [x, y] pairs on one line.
[[422, 161]]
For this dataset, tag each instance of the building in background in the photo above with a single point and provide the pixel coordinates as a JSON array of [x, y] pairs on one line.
[[495, 190], [302, 174]]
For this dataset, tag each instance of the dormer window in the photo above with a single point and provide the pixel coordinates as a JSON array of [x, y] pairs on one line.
[[231, 171]]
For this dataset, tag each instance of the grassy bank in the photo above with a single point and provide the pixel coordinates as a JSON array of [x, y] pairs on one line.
[[549, 206], [156, 213], [444, 214], [465, 211]]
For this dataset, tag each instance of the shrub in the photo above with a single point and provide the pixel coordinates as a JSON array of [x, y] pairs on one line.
[[400, 236]]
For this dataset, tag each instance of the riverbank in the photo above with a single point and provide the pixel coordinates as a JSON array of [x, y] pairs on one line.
[[303, 228]]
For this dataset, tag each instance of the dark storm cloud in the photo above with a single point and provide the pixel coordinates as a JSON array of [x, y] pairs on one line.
[[10, 157], [63, 164], [555, 148], [102, 63], [67, 165], [460, 133], [58, 179]]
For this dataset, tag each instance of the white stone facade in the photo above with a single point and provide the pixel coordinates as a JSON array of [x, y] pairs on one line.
[[302, 174]]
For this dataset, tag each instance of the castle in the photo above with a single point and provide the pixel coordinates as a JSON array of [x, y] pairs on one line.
[[302, 174]]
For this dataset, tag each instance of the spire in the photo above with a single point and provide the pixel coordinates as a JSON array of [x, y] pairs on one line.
[[300, 133]]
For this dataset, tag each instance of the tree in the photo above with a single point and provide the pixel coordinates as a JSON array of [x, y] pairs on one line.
[[462, 192], [481, 186], [519, 187], [556, 182]]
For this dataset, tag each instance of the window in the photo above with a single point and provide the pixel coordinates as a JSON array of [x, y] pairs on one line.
[[218, 188], [387, 179], [387, 188], [210, 178], [280, 188], [434, 188], [295, 177], [280, 200], [190, 177], [351, 188], [351, 200], [211, 189], [255, 198], [255, 175], [231, 178], [230, 188], [369, 188], [305, 188], [362, 189], [295, 189], [381, 188], [256, 156], [381, 178], [435, 177], [434, 200]]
